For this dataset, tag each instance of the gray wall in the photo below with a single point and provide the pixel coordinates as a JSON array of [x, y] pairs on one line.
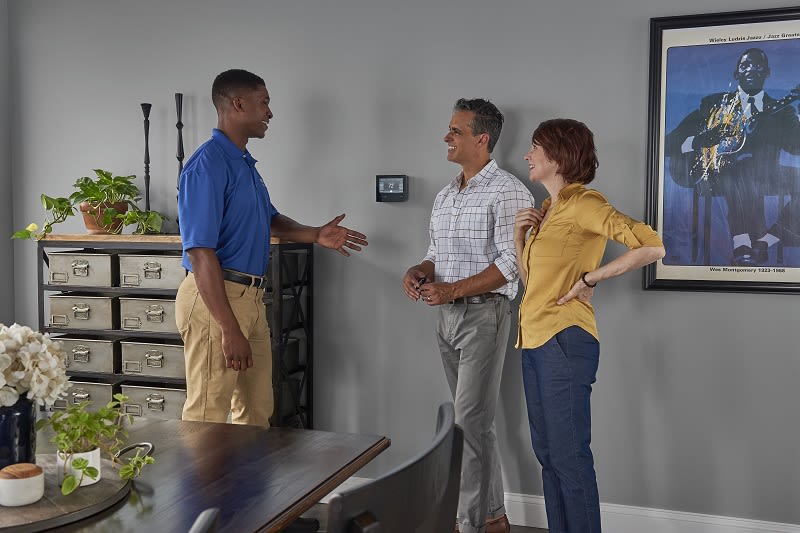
[[695, 406], [6, 203]]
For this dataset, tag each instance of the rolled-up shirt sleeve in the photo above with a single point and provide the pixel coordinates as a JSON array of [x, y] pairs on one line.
[[600, 217], [509, 202]]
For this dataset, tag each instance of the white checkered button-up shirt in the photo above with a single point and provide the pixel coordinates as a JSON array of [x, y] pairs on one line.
[[473, 228]]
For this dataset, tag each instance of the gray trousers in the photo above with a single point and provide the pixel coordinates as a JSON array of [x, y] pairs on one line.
[[472, 341]]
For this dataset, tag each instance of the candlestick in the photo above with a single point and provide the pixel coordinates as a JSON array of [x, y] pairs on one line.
[[146, 112]]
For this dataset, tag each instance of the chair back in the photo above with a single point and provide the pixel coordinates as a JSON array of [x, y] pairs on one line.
[[419, 496], [206, 522]]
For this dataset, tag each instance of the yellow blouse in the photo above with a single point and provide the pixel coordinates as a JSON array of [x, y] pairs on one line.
[[570, 242]]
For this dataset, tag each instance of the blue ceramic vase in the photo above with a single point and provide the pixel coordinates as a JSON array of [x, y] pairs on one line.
[[18, 432]]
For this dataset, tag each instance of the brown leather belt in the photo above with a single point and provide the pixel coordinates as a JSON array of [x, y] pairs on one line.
[[477, 299], [245, 279]]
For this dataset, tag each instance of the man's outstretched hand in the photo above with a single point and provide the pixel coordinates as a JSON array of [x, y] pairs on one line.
[[339, 238]]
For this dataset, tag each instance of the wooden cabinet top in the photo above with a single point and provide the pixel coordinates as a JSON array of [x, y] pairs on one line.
[[124, 238]]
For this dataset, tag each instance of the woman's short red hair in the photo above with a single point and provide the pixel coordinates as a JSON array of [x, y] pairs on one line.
[[571, 145]]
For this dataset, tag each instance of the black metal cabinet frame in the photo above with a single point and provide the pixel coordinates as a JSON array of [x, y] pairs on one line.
[[293, 387]]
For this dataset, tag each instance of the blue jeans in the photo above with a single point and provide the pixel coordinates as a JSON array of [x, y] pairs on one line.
[[558, 379]]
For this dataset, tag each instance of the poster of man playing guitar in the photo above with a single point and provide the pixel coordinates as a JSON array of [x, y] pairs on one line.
[[733, 139]]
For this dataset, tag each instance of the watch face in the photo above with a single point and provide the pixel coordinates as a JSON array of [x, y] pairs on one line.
[[390, 185]]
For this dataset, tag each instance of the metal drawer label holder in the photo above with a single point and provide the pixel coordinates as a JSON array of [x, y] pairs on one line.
[[155, 402], [81, 311], [154, 358], [80, 395], [154, 313], [81, 353], [80, 268], [152, 270]]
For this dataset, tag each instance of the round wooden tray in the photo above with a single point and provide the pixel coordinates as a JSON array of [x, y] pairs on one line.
[[55, 509]]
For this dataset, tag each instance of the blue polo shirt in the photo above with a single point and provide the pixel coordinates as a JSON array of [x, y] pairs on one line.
[[223, 204]]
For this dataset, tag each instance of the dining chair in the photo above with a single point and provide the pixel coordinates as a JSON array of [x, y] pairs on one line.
[[419, 496], [206, 522]]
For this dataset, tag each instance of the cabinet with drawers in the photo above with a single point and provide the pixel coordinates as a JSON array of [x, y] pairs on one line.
[[110, 299]]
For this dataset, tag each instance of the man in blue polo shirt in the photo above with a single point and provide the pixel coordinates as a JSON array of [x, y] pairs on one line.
[[226, 218]]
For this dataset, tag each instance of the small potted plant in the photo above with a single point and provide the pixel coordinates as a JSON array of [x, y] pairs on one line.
[[107, 203], [83, 436]]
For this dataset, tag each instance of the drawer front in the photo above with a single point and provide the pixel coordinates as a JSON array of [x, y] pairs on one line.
[[88, 355], [147, 314], [81, 312], [97, 393], [150, 271], [154, 402], [148, 359], [79, 269]]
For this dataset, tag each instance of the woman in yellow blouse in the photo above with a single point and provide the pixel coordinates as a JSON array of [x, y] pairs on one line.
[[559, 264]]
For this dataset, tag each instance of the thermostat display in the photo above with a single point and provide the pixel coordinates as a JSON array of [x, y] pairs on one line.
[[391, 188]]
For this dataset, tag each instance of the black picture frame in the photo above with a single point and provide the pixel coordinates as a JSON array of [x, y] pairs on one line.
[[695, 63]]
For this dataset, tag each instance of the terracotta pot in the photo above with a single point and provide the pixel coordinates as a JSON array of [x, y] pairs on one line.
[[93, 218]]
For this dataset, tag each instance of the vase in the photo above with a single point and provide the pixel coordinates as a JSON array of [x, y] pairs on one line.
[[92, 456], [18, 432], [93, 218]]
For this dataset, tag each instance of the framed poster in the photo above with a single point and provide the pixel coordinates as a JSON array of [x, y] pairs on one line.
[[724, 151]]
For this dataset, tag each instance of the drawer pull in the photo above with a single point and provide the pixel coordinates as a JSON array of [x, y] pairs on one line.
[[59, 320], [80, 395], [81, 311], [154, 358], [154, 313], [59, 277], [131, 280], [152, 270], [131, 322], [80, 267], [80, 353], [155, 402]]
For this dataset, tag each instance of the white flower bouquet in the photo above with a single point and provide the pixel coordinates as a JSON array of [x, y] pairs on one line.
[[32, 363]]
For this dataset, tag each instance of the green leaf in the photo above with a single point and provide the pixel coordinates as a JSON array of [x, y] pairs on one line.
[[69, 484], [79, 463], [91, 472]]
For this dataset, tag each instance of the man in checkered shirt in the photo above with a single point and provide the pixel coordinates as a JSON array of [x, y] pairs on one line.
[[470, 275]]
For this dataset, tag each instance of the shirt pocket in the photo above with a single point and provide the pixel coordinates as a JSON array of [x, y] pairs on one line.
[[474, 222], [553, 240]]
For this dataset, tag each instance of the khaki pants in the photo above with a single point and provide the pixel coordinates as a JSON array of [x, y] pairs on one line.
[[213, 391]]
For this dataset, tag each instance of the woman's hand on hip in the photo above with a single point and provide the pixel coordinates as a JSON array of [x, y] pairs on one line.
[[579, 290]]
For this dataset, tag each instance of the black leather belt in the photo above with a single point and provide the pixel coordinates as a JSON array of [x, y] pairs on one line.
[[478, 298], [245, 279]]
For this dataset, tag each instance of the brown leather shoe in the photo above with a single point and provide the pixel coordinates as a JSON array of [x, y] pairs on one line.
[[498, 525]]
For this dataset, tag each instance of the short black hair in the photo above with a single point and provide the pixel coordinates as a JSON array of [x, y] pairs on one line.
[[754, 51], [229, 82], [488, 119]]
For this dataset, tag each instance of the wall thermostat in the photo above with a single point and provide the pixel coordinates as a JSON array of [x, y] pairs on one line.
[[391, 188]]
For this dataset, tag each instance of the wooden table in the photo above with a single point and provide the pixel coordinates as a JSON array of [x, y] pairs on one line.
[[261, 479]]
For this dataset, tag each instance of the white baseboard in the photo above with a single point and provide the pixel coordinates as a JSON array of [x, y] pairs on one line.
[[528, 510]]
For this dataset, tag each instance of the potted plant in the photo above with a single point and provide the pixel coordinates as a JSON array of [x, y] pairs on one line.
[[107, 203], [83, 436]]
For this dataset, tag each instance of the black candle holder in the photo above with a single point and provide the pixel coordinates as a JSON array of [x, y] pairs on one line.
[[179, 125], [146, 112]]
